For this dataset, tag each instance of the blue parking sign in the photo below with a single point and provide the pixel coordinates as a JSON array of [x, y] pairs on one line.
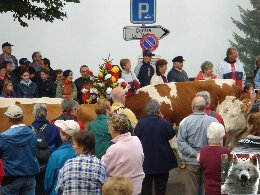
[[143, 11]]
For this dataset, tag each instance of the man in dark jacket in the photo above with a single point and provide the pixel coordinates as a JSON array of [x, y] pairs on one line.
[[177, 74], [18, 153]]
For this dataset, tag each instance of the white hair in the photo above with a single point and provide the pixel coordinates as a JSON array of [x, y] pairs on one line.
[[39, 110], [215, 133]]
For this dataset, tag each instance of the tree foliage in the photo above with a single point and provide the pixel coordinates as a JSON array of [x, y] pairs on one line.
[[248, 45], [47, 10]]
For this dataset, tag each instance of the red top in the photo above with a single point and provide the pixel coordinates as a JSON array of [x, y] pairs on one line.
[[201, 77], [210, 161], [1, 171], [67, 89]]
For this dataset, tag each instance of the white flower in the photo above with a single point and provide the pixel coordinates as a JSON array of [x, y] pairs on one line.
[[84, 90], [101, 84], [93, 90], [109, 90], [121, 80], [108, 76]]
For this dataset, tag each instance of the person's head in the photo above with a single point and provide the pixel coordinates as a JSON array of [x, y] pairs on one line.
[[117, 185], [69, 106], [45, 63], [248, 88], [24, 62], [84, 71], [68, 75], [8, 87], [67, 129], [84, 142], [102, 107], [7, 48], [232, 54], [152, 107], [3, 70], [253, 124], [59, 74], [24, 74], [125, 64], [37, 57], [117, 125], [40, 111], [14, 114], [257, 62], [147, 55], [178, 62], [215, 133], [207, 68], [118, 95], [205, 95], [161, 66], [8, 65], [44, 73], [198, 104]]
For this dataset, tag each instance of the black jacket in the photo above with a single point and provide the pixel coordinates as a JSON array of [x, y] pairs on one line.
[[45, 88], [177, 76], [80, 83], [145, 74]]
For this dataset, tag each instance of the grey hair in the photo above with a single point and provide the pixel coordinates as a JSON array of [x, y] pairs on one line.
[[215, 133], [39, 110], [206, 65], [117, 93], [205, 95], [199, 105], [68, 105], [152, 107]]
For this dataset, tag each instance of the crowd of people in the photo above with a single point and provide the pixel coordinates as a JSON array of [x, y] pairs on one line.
[[116, 153]]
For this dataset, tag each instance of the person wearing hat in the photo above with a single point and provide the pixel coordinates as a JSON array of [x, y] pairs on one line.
[[18, 153], [144, 71], [177, 74], [61, 155], [7, 55]]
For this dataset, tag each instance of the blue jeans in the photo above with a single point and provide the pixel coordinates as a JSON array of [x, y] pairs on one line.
[[21, 186]]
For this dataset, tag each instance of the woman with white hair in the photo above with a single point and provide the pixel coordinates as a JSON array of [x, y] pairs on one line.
[[210, 158]]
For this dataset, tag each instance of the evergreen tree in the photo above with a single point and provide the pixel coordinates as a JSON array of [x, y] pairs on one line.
[[249, 45], [47, 10]]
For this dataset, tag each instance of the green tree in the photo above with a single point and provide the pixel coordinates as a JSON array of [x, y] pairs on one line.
[[248, 45], [47, 10]]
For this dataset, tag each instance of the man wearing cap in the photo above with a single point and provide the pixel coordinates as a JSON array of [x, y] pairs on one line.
[[144, 71], [18, 153], [177, 74], [7, 55]]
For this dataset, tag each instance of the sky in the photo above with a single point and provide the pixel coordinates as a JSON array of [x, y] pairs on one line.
[[199, 31]]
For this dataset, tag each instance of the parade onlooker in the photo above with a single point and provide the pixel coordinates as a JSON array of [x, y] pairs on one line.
[[3, 76], [60, 155], [69, 112], [118, 97], [154, 133], [247, 90], [99, 127], [26, 88], [232, 68], [250, 144], [67, 88], [10, 75], [129, 76], [117, 185], [257, 79], [159, 77], [58, 78], [177, 74], [45, 84], [82, 81], [46, 64], [37, 60], [7, 55], [24, 64], [18, 151], [125, 157], [192, 135], [206, 72], [144, 71], [257, 65], [84, 174], [209, 158], [8, 90]]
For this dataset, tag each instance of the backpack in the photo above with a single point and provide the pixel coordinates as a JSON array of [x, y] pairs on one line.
[[42, 152]]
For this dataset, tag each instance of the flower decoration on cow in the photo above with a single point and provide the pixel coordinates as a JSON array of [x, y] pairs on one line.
[[102, 85]]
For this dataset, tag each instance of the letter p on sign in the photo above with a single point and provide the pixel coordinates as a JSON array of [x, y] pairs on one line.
[[143, 8]]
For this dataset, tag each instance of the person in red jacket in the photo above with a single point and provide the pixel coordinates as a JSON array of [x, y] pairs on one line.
[[1, 172], [206, 72]]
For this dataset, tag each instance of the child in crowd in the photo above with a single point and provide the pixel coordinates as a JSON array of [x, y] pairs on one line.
[[210, 158], [248, 88], [26, 88], [45, 85], [84, 174], [117, 185], [3, 76], [8, 90]]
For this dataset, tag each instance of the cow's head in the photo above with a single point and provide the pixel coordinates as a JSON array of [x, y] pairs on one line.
[[232, 112]]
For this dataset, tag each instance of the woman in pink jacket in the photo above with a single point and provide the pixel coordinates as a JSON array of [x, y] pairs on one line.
[[125, 157]]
